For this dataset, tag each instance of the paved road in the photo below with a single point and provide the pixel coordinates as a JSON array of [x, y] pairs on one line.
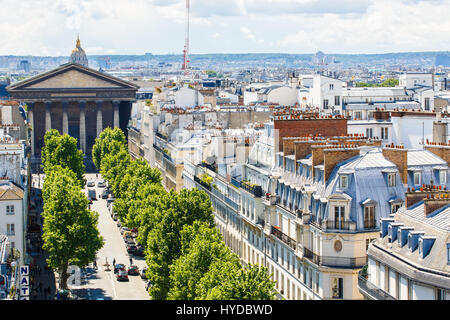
[[103, 284]]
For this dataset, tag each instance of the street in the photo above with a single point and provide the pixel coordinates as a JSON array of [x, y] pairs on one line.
[[101, 284]]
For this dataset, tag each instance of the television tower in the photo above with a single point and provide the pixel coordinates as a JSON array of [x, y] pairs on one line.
[[186, 61]]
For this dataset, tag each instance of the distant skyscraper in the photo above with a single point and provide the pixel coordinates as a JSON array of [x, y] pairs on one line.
[[24, 65], [78, 55]]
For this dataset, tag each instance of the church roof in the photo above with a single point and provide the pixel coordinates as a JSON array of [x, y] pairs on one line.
[[108, 81]]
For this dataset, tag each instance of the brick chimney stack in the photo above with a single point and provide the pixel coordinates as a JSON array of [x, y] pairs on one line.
[[336, 154], [434, 197], [442, 150], [399, 156]]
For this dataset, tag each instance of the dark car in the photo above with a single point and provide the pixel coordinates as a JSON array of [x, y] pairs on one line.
[[133, 271], [119, 267], [131, 248], [143, 273], [104, 194], [122, 275], [148, 285], [139, 252]]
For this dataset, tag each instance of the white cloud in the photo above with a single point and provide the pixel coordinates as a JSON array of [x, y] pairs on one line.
[[46, 27]]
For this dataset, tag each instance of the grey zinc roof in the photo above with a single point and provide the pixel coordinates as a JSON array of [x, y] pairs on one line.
[[438, 219], [372, 159], [424, 158]]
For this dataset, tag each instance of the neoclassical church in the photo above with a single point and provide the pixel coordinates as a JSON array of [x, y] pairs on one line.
[[76, 100]]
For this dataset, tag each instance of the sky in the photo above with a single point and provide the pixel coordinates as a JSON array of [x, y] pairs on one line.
[[50, 27]]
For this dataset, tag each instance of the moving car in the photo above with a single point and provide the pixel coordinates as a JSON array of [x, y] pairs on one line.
[[118, 267], [92, 195], [122, 275], [101, 184], [90, 184], [133, 271]]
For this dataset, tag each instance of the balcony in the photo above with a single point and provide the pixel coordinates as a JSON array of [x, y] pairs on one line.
[[338, 262], [283, 237], [370, 291], [254, 189], [209, 166], [202, 183]]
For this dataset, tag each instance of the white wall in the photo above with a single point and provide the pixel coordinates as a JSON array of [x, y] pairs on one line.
[[284, 96], [423, 293], [408, 131]]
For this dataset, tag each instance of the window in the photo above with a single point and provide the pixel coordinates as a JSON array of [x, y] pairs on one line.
[[10, 230], [331, 86], [325, 104], [369, 132], [448, 253], [417, 178], [391, 179], [339, 217], [337, 288], [337, 100], [384, 133], [395, 207], [443, 176], [10, 210], [369, 217], [358, 115], [440, 294], [344, 182], [427, 104]]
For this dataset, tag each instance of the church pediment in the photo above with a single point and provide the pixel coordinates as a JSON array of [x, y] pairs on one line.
[[72, 76]]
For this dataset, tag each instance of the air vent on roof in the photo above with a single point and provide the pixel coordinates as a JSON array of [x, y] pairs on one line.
[[392, 230], [402, 235], [413, 239], [425, 245], [384, 226]]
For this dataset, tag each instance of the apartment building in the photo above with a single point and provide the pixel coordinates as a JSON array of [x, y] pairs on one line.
[[410, 260]]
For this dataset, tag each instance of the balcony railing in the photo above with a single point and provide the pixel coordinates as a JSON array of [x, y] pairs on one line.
[[202, 183], [161, 135], [209, 166], [284, 237], [371, 291], [253, 189], [340, 225], [330, 261]]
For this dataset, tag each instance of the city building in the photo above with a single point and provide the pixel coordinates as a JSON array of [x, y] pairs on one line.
[[410, 260]]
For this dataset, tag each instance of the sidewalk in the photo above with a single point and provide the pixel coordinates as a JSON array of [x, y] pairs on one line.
[[43, 285]]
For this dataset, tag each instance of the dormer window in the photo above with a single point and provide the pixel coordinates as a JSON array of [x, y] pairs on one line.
[[344, 182], [417, 178], [443, 177], [420, 246], [448, 253], [391, 179], [369, 217], [395, 207]]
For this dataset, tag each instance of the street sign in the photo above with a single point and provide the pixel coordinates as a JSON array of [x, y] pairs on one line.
[[24, 282]]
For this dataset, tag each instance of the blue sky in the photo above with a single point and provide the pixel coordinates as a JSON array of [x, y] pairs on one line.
[[50, 27]]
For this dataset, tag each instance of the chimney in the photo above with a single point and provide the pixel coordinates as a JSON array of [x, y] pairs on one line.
[[336, 154], [288, 147], [399, 156], [442, 150], [436, 201]]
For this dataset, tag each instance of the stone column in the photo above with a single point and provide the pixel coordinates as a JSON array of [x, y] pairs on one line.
[[30, 113], [48, 117], [99, 117], [82, 105], [116, 121], [65, 119]]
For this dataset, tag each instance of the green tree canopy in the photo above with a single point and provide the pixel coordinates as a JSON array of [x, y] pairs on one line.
[[70, 231], [103, 144], [62, 150]]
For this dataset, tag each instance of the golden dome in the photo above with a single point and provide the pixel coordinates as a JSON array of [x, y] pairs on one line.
[[78, 55]]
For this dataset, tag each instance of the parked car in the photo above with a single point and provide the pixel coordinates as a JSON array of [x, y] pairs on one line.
[[143, 273], [148, 285], [139, 252], [104, 194], [101, 184], [115, 217], [118, 267], [90, 184], [127, 235], [131, 248], [123, 229], [122, 275], [119, 224], [133, 271]]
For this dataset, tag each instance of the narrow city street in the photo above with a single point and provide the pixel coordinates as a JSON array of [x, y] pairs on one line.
[[103, 284]]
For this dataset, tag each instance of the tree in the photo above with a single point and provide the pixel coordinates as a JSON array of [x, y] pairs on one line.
[[103, 144], [164, 243], [201, 246], [62, 150], [70, 231], [249, 283]]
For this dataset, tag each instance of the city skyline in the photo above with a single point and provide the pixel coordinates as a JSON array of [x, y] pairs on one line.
[[244, 26]]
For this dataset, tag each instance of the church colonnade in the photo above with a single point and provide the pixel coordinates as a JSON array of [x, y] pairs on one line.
[[81, 119]]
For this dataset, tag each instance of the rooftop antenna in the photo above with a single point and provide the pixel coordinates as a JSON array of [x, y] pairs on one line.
[[186, 61]]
